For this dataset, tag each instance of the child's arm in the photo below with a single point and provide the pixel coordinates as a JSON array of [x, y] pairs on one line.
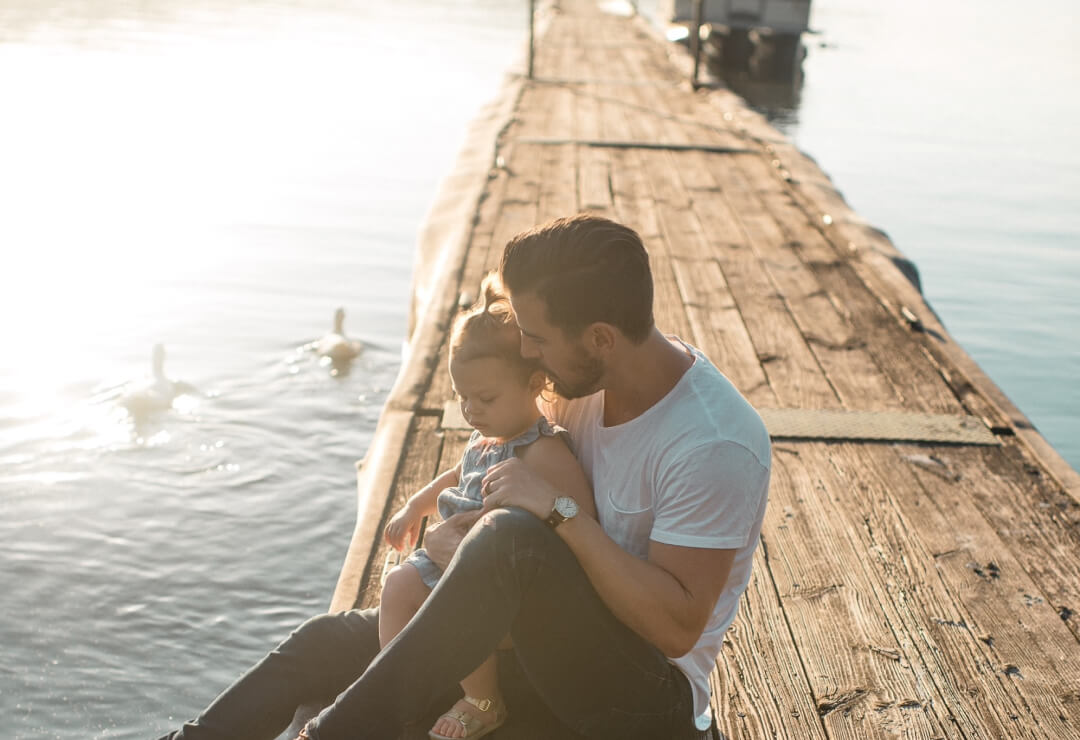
[[404, 527], [556, 464]]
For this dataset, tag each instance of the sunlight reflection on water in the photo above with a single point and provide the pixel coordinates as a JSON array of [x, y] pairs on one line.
[[216, 177]]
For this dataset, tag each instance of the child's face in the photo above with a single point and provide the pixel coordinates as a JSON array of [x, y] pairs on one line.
[[494, 399]]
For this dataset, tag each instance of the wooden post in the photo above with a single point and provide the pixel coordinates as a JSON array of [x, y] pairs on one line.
[[695, 38], [532, 34]]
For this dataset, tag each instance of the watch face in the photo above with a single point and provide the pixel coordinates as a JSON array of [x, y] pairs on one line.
[[566, 506]]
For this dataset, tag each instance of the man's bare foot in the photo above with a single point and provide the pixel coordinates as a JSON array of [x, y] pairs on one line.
[[470, 718]]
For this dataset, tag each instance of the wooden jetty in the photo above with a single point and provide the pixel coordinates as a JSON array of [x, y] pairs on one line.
[[904, 587]]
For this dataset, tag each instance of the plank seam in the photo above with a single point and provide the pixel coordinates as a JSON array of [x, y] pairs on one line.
[[617, 144]]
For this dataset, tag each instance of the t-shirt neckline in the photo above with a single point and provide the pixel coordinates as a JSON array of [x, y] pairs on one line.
[[694, 357]]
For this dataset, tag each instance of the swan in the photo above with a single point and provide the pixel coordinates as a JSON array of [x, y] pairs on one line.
[[336, 345], [156, 393]]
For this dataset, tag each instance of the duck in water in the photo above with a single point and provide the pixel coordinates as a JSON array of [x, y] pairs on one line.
[[156, 393], [335, 345]]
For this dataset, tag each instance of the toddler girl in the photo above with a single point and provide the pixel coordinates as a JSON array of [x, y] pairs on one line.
[[497, 390]]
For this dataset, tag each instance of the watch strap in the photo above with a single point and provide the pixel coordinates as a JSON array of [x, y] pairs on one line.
[[556, 517]]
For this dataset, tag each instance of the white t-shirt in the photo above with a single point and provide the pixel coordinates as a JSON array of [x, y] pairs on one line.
[[692, 470]]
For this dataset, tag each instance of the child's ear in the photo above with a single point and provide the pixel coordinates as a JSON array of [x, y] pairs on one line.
[[537, 381]]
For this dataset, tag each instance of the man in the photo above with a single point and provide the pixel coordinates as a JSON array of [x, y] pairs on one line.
[[615, 623]]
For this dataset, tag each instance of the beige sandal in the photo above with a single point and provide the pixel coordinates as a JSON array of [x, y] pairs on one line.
[[472, 726]]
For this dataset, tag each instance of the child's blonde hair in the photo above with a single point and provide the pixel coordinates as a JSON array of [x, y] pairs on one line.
[[488, 329]]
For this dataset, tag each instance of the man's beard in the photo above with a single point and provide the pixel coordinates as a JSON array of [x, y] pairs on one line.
[[586, 381]]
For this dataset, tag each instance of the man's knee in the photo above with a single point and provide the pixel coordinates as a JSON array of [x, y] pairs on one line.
[[505, 535], [327, 635], [512, 523]]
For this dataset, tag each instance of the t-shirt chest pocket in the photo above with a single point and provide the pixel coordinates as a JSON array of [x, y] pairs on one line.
[[626, 488], [629, 502], [625, 506], [627, 519]]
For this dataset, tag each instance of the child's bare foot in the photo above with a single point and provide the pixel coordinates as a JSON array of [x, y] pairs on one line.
[[470, 718]]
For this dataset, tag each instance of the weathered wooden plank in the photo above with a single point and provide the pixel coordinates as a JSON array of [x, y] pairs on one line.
[[688, 116], [558, 182], [718, 328], [975, 601], [523, 185], [418, 466], [520, 201], [760, 689], [587, 115], [744, 122], [1035, 516], [594, 181], [643, 123], [892, 350], [891, 531], [531, 114], [640, 63], [842, 617], [634, 205], [1013, 517], [613, 123], [663, 178], [438, 390], [871, 255], [670, 314], [789, 362], [842, 355], [561, 102], [668, 308], [900, 354]]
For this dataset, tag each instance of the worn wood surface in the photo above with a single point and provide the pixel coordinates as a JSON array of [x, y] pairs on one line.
[[900, 590]]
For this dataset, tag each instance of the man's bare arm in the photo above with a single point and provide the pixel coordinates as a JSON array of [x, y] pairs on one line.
[[667, 599]]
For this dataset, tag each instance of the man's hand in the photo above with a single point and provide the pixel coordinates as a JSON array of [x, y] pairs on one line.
[[513, 483], [441, 540]]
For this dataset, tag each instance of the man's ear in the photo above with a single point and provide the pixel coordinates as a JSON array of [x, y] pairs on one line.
[[600, 337]]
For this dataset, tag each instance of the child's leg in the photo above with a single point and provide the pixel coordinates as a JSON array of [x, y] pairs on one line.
[[483, 683], [402, 595]]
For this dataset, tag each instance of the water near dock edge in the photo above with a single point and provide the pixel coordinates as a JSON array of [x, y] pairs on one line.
[[219, 177]]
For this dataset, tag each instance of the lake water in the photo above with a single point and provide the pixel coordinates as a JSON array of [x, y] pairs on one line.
[[219, 175]]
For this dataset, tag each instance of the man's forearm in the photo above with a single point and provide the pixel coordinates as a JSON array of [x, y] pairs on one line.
[[644, 597]]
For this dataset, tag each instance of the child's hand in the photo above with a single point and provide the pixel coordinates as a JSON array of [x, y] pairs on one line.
[[402, 529]]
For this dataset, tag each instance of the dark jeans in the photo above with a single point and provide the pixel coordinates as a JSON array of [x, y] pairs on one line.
[[574, 666]]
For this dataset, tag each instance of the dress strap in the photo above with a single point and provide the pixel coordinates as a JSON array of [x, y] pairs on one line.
[[541, 428]]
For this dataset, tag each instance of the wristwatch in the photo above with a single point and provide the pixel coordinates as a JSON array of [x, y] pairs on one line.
[[564, 508]]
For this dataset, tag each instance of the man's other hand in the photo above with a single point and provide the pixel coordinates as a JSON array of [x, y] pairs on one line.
[[441, 540]]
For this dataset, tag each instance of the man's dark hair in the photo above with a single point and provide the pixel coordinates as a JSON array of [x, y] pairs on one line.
[[585, 269]]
